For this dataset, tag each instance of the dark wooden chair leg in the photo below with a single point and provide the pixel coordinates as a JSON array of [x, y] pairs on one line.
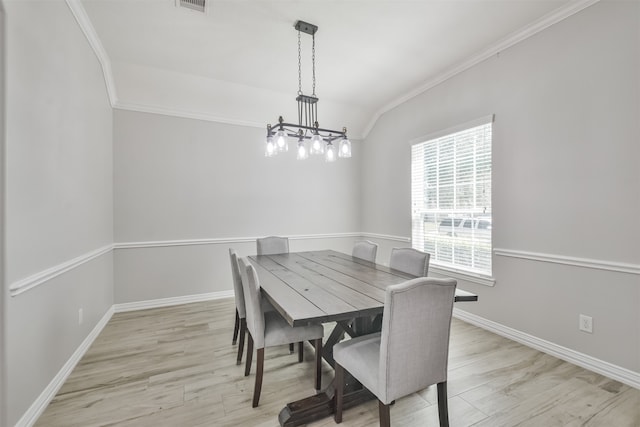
[[443, 410], [318, 346], [300, 352], [247, 369], [243, 330], [235, 328], [259, 372], [385, 418], [339, 393], [290, 348]]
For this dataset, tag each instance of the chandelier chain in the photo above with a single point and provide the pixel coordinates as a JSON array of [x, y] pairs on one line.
[[313, 61], [299, 67]]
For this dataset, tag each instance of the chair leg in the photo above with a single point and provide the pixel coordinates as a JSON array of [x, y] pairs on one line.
[[385, 418], [243, 330], [235, 328], [290, 348], [300, 352], [318, 346], [339, 393], [443, 410], [247, 369], [259, 372]]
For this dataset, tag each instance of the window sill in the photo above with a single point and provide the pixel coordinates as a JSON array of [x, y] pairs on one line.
[[462, 275]]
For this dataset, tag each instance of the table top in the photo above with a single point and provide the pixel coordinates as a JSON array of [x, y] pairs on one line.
[[327, 286]]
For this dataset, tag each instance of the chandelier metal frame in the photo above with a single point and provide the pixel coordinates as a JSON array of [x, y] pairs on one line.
[[307, 129]]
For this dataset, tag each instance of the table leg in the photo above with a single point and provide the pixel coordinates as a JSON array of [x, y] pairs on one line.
[[321, 405]]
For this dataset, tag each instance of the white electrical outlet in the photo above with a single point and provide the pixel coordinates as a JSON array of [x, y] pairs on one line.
[[80, 316], [586, 323]]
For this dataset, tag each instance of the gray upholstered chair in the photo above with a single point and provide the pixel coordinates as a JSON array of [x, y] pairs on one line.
[[268, 329], [411, 351], [409, 260], [272, 245], [365, 250], [241, 322]]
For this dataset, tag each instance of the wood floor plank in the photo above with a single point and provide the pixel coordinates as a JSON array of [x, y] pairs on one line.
[[175, 366]]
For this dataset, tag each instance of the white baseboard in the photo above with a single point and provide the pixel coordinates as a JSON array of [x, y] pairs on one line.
[[607, 369], [36, 409], [40, 404], [166, 302]]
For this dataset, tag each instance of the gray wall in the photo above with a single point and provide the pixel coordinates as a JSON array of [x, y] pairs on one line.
[[184, 179], [565, 176], [59, 193], [3, 321]]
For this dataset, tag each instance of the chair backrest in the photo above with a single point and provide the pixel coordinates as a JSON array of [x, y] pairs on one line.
[[253, 301], [410, 261], [414, 345], [365, 250], [237, 283], [272, 245]]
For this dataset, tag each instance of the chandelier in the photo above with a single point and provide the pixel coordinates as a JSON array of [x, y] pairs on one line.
[[310, 137]]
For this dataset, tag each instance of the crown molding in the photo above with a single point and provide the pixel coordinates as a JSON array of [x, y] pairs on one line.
[[546, 21], [153, 109], [515, 38], [80, 14]]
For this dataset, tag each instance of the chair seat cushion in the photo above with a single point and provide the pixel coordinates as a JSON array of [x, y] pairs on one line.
[[361, 358], [277, 331]]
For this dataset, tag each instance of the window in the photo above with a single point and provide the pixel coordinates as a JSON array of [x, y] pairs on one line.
[[451, 197]]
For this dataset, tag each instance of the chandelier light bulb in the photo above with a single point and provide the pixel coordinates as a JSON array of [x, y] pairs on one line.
[[270, 148], [330, 153], [281, 141], [345, 148], [303, 151], [317, 145]]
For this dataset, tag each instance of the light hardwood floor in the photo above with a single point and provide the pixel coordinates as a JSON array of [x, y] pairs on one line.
[[176, 366]]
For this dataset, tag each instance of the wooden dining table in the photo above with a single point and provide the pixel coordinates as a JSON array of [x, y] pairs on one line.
[[324, 287]]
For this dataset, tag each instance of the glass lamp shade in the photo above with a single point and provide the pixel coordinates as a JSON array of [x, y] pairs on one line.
[[330, 153], [281, 141], [303, 150], [345, 148], [270, 149], [317, 144]]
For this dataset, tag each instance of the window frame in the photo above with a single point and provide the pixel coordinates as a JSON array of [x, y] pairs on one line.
[[457, 271]]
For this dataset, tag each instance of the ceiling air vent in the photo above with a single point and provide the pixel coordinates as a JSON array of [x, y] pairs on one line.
[[197, 5]]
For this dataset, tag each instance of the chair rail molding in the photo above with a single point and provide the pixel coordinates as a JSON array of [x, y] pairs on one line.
[[590, 363], [618, 267], [226, 240], [386, 237], [23, 285], [37, 279]]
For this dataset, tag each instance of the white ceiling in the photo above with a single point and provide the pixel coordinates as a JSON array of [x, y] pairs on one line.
[[369, 54]]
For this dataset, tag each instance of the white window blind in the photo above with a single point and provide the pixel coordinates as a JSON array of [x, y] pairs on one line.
[[451, 198]]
